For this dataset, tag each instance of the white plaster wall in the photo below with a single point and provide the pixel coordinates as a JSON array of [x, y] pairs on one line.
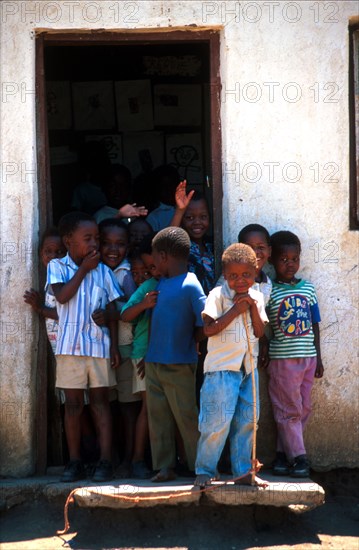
[[270, 53]]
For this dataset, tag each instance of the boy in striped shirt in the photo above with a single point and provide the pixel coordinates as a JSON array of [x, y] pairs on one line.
[[294, 353], [86, 353]]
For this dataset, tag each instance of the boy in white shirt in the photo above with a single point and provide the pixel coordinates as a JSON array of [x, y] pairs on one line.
[[226, 394]]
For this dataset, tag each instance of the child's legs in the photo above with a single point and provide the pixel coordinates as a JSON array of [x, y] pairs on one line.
[[74, 402], [242, 426], [306, 388], [219, 396], [285, 380], [141, 435], [179, 384], [129, 413], [160, 420], [100, 410]]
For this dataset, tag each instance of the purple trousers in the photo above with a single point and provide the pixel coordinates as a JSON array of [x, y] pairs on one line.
[[290, 385]]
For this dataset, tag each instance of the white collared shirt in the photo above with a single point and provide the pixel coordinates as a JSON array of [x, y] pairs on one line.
[[78, 334], [228, 349]]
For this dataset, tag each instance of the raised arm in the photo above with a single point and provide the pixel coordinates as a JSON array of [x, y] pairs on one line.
[[182, 202], [65, 291]]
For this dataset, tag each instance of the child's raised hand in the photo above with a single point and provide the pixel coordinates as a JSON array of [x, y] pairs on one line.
[[150, 299], [182, 199], [100, 317], [91, 261], [34, 299], [132, 211]]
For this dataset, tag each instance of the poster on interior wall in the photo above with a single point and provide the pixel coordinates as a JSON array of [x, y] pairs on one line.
[[58, 102], [184, 152], [143, 151], [93, 104], [134, 105], [178, 104], [113, 146]]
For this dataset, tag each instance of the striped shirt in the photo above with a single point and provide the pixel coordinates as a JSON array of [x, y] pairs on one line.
[[78, 334], [292, 311], [128, 286]]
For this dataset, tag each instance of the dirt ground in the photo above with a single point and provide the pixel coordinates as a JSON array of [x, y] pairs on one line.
[[334, 526]]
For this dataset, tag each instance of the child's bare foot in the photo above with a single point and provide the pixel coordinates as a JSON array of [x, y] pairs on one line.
[[165, 474], [247, 480], [202, 480]]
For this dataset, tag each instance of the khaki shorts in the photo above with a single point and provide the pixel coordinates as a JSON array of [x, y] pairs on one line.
[[124, 375], [138, 384], [81, 372]]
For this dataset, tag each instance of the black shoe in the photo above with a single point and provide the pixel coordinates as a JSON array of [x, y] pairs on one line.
[[140, 470], [103, 471], [281, 466], [301, 467], [74, 471]]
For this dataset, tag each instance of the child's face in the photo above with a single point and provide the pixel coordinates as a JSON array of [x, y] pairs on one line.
[[258, 241], [286, 263], [82, 241], [139, 271], [113, 246], [240, 277], [138, 231], [150, 265], [196, 220], [52, 248]]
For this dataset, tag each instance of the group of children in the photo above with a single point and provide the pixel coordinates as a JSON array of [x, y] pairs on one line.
[[133, 312]]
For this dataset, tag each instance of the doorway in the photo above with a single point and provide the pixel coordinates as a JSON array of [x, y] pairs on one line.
[[150, 99]]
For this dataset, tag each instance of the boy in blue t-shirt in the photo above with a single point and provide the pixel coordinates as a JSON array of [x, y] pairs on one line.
[[172, 356]]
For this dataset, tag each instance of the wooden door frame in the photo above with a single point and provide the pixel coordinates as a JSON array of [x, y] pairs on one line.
[[118, 38]]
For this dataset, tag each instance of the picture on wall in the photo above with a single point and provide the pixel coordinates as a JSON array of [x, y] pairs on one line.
[[178, 104], [184, 152], [113, 146], [134, 105], [58, 99], [143, 151], [93, 105]]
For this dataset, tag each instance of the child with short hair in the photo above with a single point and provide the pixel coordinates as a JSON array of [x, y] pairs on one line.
[[226, 394], [192, 214], [51, 247], [113, 250], [86, 354], [171, 356], [294, 352], [137, 230]]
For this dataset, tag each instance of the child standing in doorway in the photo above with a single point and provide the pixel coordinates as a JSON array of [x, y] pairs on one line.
[[226, 395], [294, 352], [171, 357], [86, 354]]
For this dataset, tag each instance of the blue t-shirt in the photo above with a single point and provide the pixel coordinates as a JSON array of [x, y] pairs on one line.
[[178, 311]]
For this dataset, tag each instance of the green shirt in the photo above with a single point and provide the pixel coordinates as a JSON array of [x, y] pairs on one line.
[[140, 336]]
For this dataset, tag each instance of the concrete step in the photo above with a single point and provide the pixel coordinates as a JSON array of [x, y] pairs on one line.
[[299, 495]]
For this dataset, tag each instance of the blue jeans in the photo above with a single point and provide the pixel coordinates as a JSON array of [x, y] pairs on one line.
[[226, 409]]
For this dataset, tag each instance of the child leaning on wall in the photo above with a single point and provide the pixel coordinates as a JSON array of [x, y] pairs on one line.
[[294, 353]]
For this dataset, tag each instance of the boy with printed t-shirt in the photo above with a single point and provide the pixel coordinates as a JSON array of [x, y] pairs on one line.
[[294, 353]]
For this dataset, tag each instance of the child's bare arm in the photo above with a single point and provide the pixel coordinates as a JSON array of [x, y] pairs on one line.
[[148, 302], [34, 299], [319, 371], [258, 325], [182, 201], [65, 291], [211, 327], [113, 327]]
